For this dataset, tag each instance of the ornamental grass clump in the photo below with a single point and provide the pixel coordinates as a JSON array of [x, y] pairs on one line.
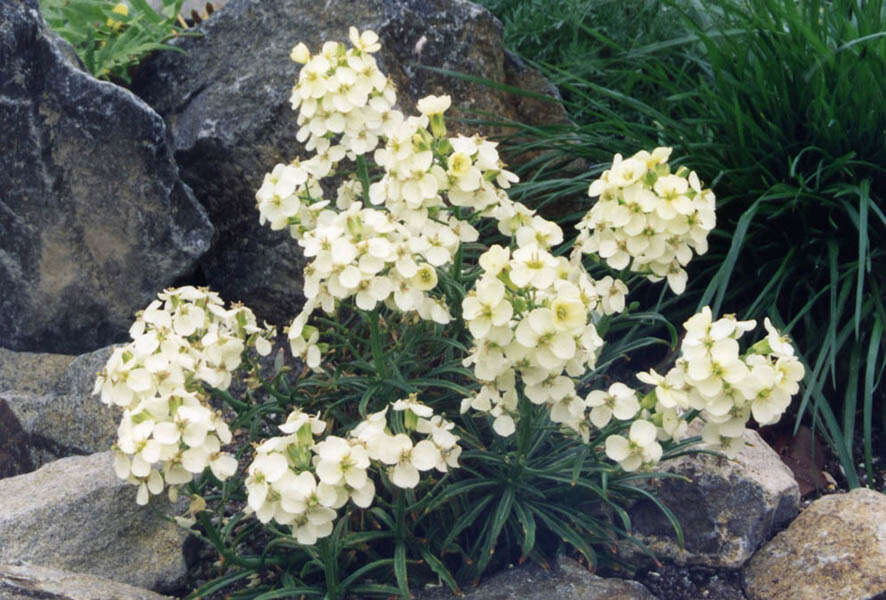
[[777, 102], [437, 418]]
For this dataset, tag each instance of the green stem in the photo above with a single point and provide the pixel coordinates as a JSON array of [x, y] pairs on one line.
[[212, 535], [363, 174], [378, 356], [456, 271], [330, 568], [238, 405]]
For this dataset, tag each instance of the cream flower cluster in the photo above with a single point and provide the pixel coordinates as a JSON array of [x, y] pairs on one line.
[[372, 257], [529, 316], [341, 92], [291, 197], [727, 387], [647, 217], [420, 168], [384, 243], [181, 343], [343, 103], [301, 482]]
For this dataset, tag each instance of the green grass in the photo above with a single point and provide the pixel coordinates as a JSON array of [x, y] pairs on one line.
[[777, 104]]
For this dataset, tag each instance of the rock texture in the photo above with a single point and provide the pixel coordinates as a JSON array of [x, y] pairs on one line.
[[198, 6], [15, 444], [74, 514], [31, 372], [727, 508], [22, 581], [94, 219], [60, 417], [226, 103], [569, 581], [835, 550]]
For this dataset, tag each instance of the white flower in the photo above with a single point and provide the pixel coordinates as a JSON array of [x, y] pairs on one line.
[[668, 388], [495, 259], [780, 345], [570, 313], [297, 420], [538, 332], [407, 460], [612, 294], [366, 41], [638, 450], [715, 436], [433, 105], [646, 218], [412, 404], [619, 401], [300, 53], [341, 461], [504, 425], [425, 278], [486, 308], [533, 266]]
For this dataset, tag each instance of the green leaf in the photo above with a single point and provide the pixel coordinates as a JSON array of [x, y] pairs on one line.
[[400, 569], [440, 569], [527, 522], [290, 592], [502, 512]]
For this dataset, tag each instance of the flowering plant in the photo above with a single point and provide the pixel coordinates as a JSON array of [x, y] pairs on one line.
[[439, 379]]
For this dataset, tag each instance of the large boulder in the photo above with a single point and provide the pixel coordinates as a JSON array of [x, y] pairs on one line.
[[23, 581], [727, 507], [15, 444], [56, 416], [835, 550], [74, 514], [226, 103], [94, 218], [31, 372], [568, 581]]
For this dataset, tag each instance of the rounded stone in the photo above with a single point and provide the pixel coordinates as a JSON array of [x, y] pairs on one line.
[[835, 550]]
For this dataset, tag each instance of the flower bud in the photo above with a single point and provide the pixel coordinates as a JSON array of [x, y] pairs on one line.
[[300, 54]]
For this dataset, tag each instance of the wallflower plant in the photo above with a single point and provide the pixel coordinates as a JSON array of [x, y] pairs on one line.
[[435, 419]]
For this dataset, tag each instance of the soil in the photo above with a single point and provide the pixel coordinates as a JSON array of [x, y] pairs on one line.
[[673, 582]]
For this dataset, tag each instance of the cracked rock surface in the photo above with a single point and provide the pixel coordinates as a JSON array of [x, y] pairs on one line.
[[74, 514], [49, 412], [94, 219]]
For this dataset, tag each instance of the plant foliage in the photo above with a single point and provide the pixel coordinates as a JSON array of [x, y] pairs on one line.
[[780, 100], [112, 38]]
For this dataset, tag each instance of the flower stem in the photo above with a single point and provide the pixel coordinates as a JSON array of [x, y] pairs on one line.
[[363, 174]]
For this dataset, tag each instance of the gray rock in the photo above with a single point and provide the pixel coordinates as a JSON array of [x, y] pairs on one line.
[[79, 376], [727, 508], [16, 451], [59, 418], [226, 103], [74, 514], [199, 6], [32, 372], [22, 581], [568, 581], [42, 372], [94, 219], [835, 550], [60, 425]]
